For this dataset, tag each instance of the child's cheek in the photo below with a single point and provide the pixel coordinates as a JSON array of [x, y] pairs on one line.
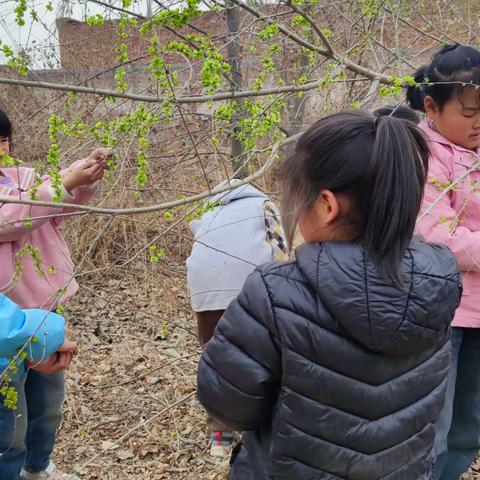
[[5, 147]]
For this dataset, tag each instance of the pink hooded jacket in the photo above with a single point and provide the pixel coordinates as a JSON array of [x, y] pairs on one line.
[[20, 279], [455, 219]]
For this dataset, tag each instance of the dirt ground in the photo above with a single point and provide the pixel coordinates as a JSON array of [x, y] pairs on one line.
[[138, 359], [131, 411]]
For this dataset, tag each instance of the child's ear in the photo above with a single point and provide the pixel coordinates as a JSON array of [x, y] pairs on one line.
[[328, 206], [430, 105]]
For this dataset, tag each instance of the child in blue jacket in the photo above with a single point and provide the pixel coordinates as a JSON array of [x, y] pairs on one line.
[[28, 338], [18, 327]]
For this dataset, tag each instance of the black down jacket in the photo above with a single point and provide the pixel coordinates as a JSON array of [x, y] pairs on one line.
[[331, 372]]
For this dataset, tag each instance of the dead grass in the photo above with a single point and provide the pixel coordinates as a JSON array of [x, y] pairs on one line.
[[138, 356]]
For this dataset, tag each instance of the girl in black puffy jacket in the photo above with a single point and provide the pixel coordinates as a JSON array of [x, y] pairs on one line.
[[335, 364]]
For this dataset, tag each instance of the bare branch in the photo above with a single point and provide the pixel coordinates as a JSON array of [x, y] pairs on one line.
[[153, 208], [178, 100], [460, 179], [331, 51], [354, 67], [109, 6]]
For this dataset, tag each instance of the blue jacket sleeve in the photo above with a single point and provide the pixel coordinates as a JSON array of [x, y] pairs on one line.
[[44, 331], [240, 369]]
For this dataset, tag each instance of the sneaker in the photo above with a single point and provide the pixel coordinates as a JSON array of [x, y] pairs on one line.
[[50, 473], [221, 445]]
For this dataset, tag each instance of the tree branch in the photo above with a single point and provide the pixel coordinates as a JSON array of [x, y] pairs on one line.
[[288, 33], [318, 31], [178, 100], [161, 206], [475, 166], [352, 66], [118, 9]]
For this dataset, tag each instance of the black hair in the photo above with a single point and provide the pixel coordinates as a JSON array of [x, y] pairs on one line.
[[5, 125], [452, 69], [380, 163], [399, 111]]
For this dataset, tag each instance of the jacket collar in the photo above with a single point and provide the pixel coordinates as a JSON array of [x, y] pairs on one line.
[[22, 176], [437, 138]]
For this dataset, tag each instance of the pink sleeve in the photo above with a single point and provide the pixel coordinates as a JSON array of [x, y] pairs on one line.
[[441, 225], [10, 232], [80, 195]]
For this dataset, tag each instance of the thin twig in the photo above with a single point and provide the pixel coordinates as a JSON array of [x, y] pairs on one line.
[[132, 430], [161, 206], [475, 166]]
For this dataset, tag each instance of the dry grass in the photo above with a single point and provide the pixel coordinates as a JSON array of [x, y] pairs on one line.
[[138, 356]]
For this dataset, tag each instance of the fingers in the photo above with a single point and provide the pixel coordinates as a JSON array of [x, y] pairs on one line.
[[101, 154], [96, 167], [89, 171], [64, 360], [99, 175], [104, 164], [68, 345], [94, 163], [48, 365], [98, 156], [93, 173], [88, 163], [57, 362]]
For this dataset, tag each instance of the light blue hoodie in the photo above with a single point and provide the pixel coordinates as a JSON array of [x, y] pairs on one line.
[[230, 242], [18, 327]]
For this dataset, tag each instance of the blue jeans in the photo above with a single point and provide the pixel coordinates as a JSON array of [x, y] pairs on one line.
[[27, 434], [458, 429]]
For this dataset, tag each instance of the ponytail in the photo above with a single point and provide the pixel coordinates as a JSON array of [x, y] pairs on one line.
[[399, 161], [380, 163]]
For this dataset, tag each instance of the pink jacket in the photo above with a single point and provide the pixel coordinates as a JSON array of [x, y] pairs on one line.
[[455, 220], [19, 278]]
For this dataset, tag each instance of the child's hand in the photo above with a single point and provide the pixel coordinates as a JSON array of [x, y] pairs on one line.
[[57, 362], [86, 173], [101, 155], [69, 346], [89, 171]]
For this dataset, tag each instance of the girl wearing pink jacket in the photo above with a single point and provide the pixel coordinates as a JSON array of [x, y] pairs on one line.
[[36, 271], [450, 96]]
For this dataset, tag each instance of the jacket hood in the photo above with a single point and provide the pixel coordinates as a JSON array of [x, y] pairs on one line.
[[243, 191], [374, 312]]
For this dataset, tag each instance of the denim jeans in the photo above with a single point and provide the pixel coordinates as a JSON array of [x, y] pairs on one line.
[[458, 429], [27, 434]]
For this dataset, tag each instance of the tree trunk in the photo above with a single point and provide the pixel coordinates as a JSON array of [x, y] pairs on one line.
[[237, 151], [295, 104]]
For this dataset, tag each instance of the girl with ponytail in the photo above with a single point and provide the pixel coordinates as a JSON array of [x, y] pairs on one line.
[[449, 94], [335, 364]]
